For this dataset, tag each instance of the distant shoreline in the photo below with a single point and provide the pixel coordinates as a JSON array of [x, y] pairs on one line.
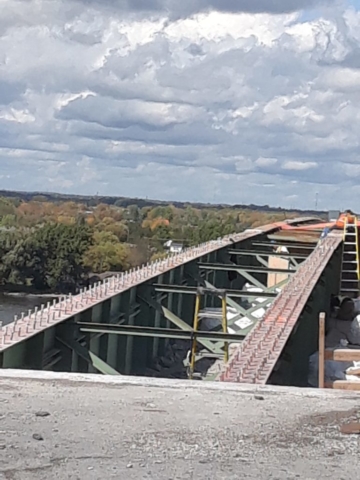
[[25, 291], [30, 294]]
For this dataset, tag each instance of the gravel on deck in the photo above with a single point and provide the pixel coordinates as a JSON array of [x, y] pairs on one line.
[[73, 426]]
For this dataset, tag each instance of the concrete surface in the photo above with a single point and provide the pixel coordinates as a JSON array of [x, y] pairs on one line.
[[135, 428]]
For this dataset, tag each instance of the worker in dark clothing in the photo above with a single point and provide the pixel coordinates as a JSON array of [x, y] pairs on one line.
[[334, 303]]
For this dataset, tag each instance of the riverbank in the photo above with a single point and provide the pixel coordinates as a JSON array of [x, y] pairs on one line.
[[32, 295], [26, 290], [30, 290]]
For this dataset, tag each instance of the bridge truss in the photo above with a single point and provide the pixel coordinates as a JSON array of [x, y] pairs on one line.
[[125, 323]]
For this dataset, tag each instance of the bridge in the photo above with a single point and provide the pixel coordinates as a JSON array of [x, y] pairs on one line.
[[274, 280]]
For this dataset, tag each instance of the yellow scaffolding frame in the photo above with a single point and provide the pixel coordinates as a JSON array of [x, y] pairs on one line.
[[200, 293]]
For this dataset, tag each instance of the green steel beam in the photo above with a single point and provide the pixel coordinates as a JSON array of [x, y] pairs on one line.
[[277, 285], [176, 321], [192, 291], [265, 253], [240, 268], [158, 332], [102, 366], [97, 312], [290, 237], [287, 245], [243, 312], [157, 320], [90, 357], [130, 340], [184, 326], [182, 280], [291, 260], [294, 262], [245, 331], [119, 318], [262, 261], [268, 292], [113, 342], [256, 283], [253, 281]]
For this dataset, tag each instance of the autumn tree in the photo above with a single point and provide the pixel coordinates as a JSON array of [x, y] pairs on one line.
[[106, 253], [6, 207]]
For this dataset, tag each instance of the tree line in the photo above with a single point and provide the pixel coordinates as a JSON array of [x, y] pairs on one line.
[[125, 202], [57, 246]]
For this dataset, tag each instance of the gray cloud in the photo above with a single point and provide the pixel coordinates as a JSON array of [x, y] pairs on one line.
[[218, 107], [188, 7]]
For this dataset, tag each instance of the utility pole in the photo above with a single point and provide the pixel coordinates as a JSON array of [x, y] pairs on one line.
[[316, 200]]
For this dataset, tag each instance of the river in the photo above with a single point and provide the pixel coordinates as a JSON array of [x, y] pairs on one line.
[[11, 305]]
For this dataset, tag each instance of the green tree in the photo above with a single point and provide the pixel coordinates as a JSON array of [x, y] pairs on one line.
[[106, 254], [162, 232], [133, 213], [8, 242], [50, 256], [158, 256], [119, 229], [6, 207], [9, 220], [163, 212]]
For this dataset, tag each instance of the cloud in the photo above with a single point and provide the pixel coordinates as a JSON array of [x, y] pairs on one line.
[[189, 7], [296, 165], [201, 100]]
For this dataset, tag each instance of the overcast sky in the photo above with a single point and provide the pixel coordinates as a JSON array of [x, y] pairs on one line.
[[234, 101]]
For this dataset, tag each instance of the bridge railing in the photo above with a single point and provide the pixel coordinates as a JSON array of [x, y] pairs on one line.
[[254, 359]]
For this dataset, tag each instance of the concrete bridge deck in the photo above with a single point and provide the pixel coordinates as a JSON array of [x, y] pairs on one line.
[[102, 427]]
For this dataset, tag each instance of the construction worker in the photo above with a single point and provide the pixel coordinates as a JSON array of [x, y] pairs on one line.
[[347, 217], [324, 233], [350, 216]]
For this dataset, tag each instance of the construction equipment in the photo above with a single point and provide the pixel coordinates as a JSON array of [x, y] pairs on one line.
[[350, 275], [198, 315]]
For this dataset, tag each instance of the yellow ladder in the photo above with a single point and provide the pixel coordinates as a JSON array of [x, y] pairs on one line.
[[350, 268], [201, 292]]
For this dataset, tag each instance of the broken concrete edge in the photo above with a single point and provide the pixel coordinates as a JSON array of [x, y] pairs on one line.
[[78, 379]]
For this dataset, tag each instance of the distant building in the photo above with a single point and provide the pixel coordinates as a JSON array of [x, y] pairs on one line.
[[174, 247]]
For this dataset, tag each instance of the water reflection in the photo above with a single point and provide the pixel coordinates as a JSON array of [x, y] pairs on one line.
[[11, 305]]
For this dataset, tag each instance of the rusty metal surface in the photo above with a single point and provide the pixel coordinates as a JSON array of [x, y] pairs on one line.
[[254, 360], [68, 306]]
